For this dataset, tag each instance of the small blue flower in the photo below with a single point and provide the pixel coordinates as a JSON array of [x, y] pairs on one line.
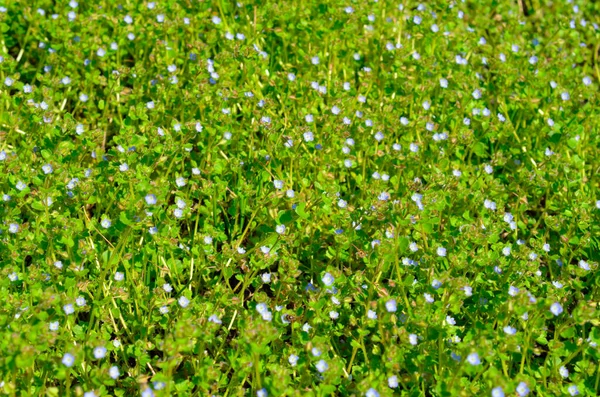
[[489, 204], [80, 301], [183, 301], [497, 392], [322, 366], [371, 393], [47, 169], [99, 352], [267, 316], [328, 279], [21, 186], [510, 330], [557, 284], [573, 390], [262, 308], [150, 199], [522, 389], [114, 372], [106, 223], [68, 360], [473, 359], [158, 385], [180, 182], [280, 229], [563, 371], [391, 306], [13, 228], [556, 308], [584, 265], [262, 393], [215, 319], [293, 360], [147, 392]]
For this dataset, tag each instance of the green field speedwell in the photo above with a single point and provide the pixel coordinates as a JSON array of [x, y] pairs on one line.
[[299, 198]]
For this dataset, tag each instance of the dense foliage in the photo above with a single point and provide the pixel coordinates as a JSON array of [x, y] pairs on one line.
[[304, 198]]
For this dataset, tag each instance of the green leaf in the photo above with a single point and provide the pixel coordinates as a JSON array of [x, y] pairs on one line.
[[123, 218], [285, 217], [480, 149], [568, 333], [300, 211]]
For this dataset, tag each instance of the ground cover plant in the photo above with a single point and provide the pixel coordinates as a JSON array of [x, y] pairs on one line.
[[299, 198]]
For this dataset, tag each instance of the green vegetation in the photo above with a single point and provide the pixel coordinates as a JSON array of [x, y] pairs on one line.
[[299, 198]]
